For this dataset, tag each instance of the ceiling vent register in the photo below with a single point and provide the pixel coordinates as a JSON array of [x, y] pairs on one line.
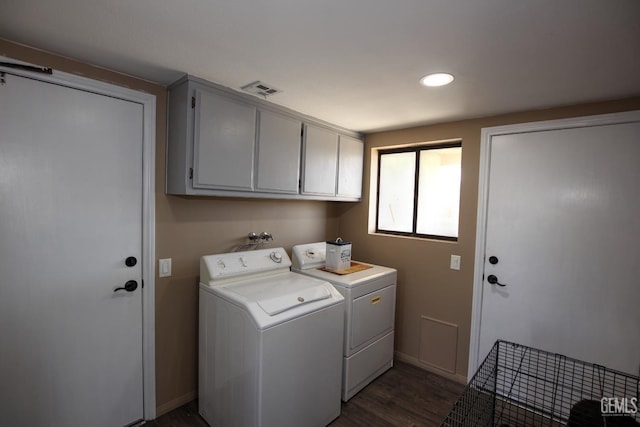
[[259, 88]]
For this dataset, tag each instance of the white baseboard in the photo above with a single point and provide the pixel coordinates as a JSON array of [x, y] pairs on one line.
[[175, 403], [416, 362]]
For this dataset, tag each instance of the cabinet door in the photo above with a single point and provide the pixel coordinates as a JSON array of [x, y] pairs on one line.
[[320, 161], [224, 141], [350, 158], [278, 156]]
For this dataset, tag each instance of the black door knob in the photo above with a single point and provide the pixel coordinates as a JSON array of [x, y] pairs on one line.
[[493, 279], [493, 260], [130, 286], [131, 261]]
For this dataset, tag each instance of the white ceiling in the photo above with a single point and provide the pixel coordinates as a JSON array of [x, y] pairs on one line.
[[356, 63]]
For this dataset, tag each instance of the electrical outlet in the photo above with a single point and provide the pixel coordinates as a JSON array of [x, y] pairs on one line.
[[164, 267], [455, 262]]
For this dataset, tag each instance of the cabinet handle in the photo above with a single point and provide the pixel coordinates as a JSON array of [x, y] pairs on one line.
[[376, 300]]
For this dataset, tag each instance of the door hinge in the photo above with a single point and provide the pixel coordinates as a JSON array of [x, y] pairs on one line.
[[190, 173], [193, 102], [142, 281]]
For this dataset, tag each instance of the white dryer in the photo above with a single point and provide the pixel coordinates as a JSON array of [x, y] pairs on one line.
[[370, 300], [270, 352]]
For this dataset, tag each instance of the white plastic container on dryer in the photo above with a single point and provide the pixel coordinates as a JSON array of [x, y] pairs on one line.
[[338, 255]]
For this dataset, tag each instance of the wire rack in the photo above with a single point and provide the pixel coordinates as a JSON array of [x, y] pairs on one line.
[[522, 386]]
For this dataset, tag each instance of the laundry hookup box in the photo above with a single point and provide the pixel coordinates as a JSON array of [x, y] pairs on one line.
[[338, 255]]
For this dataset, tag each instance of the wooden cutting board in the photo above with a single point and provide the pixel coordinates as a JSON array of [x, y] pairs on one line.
[[355, 267]]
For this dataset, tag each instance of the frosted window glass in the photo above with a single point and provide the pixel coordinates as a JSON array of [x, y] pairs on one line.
[[439, 192], [395, 201]]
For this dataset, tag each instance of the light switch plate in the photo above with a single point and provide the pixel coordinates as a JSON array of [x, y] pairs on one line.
[[455, 262], [164, 267]]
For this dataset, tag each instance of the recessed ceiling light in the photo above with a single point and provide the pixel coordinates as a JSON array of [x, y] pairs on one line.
[[436, 79]]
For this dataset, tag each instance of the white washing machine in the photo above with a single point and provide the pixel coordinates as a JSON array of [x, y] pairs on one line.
[[370, 300], [270, 352]]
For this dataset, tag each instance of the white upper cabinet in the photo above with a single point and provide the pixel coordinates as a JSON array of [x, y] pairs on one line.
[[278, 153], [224, 142], [350, 160], [320, 161]]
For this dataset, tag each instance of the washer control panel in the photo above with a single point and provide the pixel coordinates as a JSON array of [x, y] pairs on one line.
[[232, 264]]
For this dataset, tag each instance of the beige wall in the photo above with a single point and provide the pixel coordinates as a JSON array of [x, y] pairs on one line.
[[187, 228], [427, 288]]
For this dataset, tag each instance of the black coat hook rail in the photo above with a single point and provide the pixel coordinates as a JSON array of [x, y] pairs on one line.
[[32, 68]]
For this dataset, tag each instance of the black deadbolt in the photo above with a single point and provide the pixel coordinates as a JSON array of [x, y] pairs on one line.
[[130, 286], [493, 260], [131, 261]]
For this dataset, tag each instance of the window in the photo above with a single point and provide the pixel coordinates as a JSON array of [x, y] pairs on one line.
[[419, 191]]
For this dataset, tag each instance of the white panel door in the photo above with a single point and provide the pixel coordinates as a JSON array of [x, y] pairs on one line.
[[563, 221], [350, 159], [278, 159], [320, 157], [71, 214], [224, 134]]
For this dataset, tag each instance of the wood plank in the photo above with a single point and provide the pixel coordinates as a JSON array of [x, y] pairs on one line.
[[403, 396]]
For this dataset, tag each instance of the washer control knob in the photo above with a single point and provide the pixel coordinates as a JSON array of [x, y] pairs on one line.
[[221, 264], [276, 257]]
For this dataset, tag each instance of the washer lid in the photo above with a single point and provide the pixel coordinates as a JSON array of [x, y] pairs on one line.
[[285, 302], [280, 297], [280, 292]]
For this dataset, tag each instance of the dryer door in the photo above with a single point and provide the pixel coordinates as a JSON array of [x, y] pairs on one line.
[[373, 316]]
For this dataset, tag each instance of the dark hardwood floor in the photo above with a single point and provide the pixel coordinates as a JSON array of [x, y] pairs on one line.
[[403, 396]]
